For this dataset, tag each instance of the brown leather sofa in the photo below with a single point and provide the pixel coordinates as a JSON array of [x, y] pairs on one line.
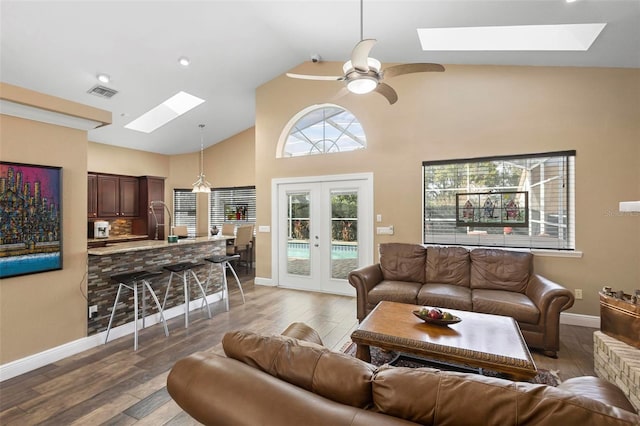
[[490, 281], [284, 380]]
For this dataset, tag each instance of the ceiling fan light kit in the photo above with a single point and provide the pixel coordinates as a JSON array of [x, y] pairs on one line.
[[364, 74]]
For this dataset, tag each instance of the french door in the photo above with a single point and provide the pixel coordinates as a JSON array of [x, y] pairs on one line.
[[324, 231]]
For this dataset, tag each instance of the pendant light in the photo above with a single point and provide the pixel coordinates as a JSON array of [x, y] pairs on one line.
[[201, 185]]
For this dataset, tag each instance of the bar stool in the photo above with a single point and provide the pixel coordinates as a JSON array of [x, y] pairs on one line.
[[185, 268], [224, 261], [131, 280]]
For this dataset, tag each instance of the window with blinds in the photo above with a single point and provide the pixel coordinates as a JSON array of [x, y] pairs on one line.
[[184, 209], [512, 201], [232, 205]]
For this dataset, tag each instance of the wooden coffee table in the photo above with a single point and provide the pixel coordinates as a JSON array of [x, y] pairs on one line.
[[481, 341]]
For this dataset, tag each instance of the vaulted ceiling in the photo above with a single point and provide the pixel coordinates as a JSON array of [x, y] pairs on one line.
[[58, 48]]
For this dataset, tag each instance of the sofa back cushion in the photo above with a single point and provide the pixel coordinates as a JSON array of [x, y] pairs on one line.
[[496, 269], [429, 397], [333, 375], [403, 262], [448, 265]]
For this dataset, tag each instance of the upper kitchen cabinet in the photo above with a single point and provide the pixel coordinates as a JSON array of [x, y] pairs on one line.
[[117, 196], [92, 196], [151, 223]]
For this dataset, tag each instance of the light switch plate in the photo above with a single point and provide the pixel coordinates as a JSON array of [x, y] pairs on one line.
[[264, 228]]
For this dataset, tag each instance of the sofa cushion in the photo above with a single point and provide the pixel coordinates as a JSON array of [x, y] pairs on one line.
[[500, 269], [448, 265], [507, 303], [337, 376], [445, 296], [395, 291], [428, 396], [402, 262]]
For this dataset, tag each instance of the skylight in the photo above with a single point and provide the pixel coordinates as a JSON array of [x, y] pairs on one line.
[[521, 37], [172, 108]]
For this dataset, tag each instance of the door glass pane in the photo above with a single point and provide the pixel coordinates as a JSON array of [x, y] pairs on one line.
[[298, 222], [344, 232]]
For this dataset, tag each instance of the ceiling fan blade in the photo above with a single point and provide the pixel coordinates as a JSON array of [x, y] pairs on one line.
[[388, 92], [396, 70], [360, 54], [315, 77]]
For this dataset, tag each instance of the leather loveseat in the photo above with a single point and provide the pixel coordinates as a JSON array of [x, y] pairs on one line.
[[284, 380], [490, 281]]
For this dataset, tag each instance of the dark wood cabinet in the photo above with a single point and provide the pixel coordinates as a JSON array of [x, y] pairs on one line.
[[151, 189], [117, 196], [92, 196], [129, 192]]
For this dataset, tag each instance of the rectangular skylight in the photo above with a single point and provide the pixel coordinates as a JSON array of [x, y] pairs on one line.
[[172, 108], [520, 37]]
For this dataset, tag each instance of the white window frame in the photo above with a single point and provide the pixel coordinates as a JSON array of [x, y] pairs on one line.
[[534, 243]]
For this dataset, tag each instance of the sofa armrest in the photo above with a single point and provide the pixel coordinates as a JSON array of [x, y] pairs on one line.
[[216, 390], [548, 296], [364, 279], [302, 331], [551, 299], [598, 389]]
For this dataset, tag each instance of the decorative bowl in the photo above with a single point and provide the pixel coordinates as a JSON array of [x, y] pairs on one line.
[[443, 322]]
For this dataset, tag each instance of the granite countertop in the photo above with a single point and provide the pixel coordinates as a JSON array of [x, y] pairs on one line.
[[118, 238], [150, 245]]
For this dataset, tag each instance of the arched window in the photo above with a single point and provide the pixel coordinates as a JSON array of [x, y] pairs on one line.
[[321, 129]]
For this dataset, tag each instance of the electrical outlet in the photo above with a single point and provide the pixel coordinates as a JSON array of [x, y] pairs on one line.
[[93, 311], [578, 293]]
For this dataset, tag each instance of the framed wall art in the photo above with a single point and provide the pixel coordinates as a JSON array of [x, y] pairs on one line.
[[30, 219], [493, 209]]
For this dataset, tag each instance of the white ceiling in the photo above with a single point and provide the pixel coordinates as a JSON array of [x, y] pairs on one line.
[[58, 48]]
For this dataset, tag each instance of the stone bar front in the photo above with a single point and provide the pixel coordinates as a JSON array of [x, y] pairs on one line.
[[149, 255]]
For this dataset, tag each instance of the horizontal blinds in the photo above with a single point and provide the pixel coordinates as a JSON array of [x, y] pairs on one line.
[[544, 183], [184, 209], [232, 205]]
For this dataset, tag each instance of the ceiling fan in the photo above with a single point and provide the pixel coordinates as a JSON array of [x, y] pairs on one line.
[[363, 74]]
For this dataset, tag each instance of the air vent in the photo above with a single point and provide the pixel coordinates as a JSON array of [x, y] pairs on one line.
[[102, 91]]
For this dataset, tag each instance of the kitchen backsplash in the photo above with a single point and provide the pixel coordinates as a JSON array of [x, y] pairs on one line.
[[120, 227]]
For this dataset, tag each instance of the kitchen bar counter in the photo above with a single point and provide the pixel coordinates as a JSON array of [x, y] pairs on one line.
[[132, 246], [111, 239], [149, 255]]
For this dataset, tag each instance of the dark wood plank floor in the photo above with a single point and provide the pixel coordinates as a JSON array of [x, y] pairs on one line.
[[113, 385]]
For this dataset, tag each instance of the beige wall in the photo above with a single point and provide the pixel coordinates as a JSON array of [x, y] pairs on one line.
[[226, 164], [45, 310], [473, 111], [102, 158]]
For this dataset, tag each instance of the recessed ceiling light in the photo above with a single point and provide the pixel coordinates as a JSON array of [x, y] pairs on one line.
[[172, 108], [104, 78], [520, 37], [184, 61]]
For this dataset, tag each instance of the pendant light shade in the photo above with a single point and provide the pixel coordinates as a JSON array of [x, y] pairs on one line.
[[201, 185]]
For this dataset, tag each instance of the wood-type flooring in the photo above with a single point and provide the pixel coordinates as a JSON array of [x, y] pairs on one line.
[[113, 385]]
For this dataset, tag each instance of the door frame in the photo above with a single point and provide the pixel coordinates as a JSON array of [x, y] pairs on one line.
[[366, 226]]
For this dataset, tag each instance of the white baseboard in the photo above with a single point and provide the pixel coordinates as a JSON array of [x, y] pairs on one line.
[[264, 281], [580, 319], [32, 362]]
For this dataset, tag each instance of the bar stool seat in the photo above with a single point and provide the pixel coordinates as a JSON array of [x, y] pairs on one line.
[[186, 269], [130, 281], [225, 262]]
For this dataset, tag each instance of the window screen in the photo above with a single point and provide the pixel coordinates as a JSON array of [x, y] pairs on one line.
[[184, 209], [512, 201], [232, 205]]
